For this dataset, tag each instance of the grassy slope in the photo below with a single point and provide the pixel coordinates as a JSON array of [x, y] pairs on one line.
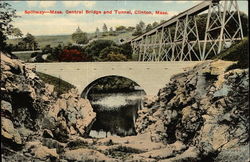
[[47, 40], [61, 86], [24, 56], [66, 39], [238, 52]]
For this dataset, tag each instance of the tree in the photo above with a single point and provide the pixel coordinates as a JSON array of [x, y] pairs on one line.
[[104, 28], [97, 32], [154, 24], [149, 27], [126, 50], [80, 37], [16, 32], [104, 53], [111, 31], [47, 49], [162, 21], [29, 42], [94, 49], [130, 28], [142, 25], [139, 28], [7, 15], [120, 28]]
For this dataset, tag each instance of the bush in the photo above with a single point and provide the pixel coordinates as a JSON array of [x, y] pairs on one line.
[[94, 48], [34, 54], [116, 57], [72, 55], [238, 52], [106, 51]]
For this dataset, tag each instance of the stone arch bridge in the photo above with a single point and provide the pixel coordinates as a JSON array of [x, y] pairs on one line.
[[150, 76]]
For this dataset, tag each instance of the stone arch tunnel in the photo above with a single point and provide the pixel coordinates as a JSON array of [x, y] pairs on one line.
[[151, 76]]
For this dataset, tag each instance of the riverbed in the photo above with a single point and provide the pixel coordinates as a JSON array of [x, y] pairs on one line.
[[116, 113]]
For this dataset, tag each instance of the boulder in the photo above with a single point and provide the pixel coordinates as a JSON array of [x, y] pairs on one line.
[[9, 132], [83, 154]]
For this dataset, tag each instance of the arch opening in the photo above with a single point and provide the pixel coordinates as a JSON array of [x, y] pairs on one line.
[[110, 85], [116, 101]]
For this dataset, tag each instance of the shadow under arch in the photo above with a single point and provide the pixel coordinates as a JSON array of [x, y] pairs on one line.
[[93, 83]]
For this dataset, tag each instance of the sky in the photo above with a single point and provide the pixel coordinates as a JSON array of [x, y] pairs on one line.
[[60, 24]]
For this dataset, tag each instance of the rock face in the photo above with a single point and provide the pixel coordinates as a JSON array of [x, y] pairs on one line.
[[24, 99], [69, 115], [30, 112], [205, 108]]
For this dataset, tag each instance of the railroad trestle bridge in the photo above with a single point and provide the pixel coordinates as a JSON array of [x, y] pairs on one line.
[[179, 39]]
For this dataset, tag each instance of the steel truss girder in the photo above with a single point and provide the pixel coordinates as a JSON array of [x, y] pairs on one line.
[[184, 47], [219, 15], [184, 44]]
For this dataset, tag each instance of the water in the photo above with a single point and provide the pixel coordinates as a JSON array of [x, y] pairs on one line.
[[116, 113]]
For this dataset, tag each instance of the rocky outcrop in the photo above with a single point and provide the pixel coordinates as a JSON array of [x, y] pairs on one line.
[[24, 99], [69, 115], [206, 108], [31, 114]]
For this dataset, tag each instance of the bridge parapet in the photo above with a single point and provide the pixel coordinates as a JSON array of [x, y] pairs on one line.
[[150, 76]]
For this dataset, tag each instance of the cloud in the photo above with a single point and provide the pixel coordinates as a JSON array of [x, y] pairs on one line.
[[65, 25], [47, 26], [46, 4], [182, 1], [71, 4], [42, 4], [168, 1], [89, 4], [32, 3]]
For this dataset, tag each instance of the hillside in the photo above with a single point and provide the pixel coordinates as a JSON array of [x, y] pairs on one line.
[[60, 85], [238, 52], [55, 40]]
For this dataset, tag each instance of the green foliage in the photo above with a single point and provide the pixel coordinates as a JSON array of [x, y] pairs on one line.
[[106, 51], [27, 43], [155, 23], [149, 27], [130, 28], [114, 52], [61, 86], [104, 28], [113, 84], [30, 41], [126, 50], [139, 28], [116, 57], [16, 32], [7, 15], [238, 52], [94, 49], [47, 49], [111, 31], [120, 28], [80, 37]]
